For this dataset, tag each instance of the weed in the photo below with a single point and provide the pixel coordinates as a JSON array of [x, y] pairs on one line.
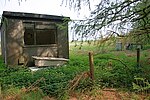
[[141, 85], [115, 70]]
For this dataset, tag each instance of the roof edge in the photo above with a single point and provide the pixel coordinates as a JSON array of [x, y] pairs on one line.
[[32, 15]]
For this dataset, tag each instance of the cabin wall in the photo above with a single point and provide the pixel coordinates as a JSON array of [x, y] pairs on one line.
[[3, 48], [19, 53], [63, 44], [14, 41], [43, 51]]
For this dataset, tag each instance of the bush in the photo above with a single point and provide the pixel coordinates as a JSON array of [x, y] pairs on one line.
[[117, 72]]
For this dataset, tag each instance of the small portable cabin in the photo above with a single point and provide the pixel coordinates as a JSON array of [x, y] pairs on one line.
[[24, 35]]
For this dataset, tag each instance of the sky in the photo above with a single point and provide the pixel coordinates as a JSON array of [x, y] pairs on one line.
[[50, 7]]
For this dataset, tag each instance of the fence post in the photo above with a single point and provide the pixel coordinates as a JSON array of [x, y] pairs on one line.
[[91, 63], [138, 57]]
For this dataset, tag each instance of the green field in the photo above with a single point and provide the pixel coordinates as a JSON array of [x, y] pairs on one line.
[[112, 70]]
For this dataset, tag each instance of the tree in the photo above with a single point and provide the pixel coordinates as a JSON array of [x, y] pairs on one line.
[[143, 25], [115, 17], [19, 1], [118, 17]]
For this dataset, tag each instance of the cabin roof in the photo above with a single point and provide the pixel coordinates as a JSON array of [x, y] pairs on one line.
[[22, 15]]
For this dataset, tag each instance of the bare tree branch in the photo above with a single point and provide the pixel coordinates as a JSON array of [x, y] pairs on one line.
[[122, 16]]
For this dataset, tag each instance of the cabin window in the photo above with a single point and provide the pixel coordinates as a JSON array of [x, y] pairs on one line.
[[29, 37], [44, 37], [39, 34]]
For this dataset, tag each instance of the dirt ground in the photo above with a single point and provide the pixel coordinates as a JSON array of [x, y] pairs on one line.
[[109, 94], [105, 94]]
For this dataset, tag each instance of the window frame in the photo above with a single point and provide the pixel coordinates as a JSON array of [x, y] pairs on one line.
[[36, 29]]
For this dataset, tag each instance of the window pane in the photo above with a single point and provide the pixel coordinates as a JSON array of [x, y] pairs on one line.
[[44, 37], [29, 37]]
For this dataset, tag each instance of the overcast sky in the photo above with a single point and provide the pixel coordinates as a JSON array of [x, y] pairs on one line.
[[51, 7]]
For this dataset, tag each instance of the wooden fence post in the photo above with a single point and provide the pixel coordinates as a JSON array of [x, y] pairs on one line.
[[138, 57], [91, 63]]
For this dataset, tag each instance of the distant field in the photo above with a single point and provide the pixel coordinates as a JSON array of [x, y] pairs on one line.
[[85, 47]]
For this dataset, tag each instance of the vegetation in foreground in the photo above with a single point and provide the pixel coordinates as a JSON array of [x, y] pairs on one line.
[[115, 71]]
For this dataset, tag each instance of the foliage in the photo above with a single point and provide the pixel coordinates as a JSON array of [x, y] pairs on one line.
[[19, 1], [113, 73], [118, 72], [113, 18], [141, 85], [143, 24], [14, 93], [55, 83], [76, 4], [63, 26]]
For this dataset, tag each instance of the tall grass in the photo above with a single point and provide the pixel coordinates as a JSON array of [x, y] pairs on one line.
[[112, 68]]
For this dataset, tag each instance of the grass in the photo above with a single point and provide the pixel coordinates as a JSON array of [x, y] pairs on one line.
[[113, 69]]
